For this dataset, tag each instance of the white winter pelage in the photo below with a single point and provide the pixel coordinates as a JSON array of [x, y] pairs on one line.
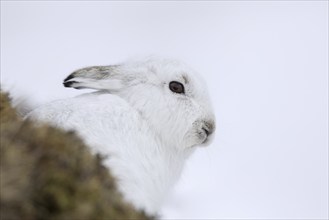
[[146, 115]]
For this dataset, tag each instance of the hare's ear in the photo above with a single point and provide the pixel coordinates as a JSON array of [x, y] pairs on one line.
[[96, 77]]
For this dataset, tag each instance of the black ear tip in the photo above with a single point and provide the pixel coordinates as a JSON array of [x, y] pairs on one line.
[[68, 84], [68, 78]]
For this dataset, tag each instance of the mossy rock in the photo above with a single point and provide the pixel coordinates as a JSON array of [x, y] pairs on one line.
[[47, 173]]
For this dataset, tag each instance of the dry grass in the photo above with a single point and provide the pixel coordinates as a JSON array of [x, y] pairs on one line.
[[47, 173]]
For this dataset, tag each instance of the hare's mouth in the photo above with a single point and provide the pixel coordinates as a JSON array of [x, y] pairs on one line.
[[205, 136], [202, 135]]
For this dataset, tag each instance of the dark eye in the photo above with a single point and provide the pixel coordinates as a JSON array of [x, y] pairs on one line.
[[176, 87]]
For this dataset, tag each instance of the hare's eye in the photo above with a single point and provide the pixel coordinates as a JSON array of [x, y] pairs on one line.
[[176, 87]]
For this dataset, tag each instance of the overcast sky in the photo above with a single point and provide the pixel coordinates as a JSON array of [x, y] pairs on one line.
[[266, 64]]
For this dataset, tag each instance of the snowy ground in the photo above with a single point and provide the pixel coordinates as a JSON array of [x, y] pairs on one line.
[[266, 64]]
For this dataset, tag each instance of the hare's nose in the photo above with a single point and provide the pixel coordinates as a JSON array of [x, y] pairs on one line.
[[208, 127]]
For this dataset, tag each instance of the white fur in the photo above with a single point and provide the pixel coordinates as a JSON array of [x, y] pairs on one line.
[[146, 130]]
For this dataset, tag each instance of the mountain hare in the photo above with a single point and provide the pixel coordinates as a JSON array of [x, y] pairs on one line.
[[146, 115]]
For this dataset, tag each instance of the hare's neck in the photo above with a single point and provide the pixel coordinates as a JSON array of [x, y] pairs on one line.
[[146, 176]]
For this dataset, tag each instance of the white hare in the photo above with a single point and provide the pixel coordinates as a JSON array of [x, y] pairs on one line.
[[147, 116]]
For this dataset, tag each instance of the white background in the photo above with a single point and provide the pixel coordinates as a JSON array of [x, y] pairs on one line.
[[266, 64]]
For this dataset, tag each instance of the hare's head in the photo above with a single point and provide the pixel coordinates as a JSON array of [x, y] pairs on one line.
[[169, 96]]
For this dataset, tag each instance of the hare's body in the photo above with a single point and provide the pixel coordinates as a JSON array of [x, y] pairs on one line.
[[144, 167], [147, 118]]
